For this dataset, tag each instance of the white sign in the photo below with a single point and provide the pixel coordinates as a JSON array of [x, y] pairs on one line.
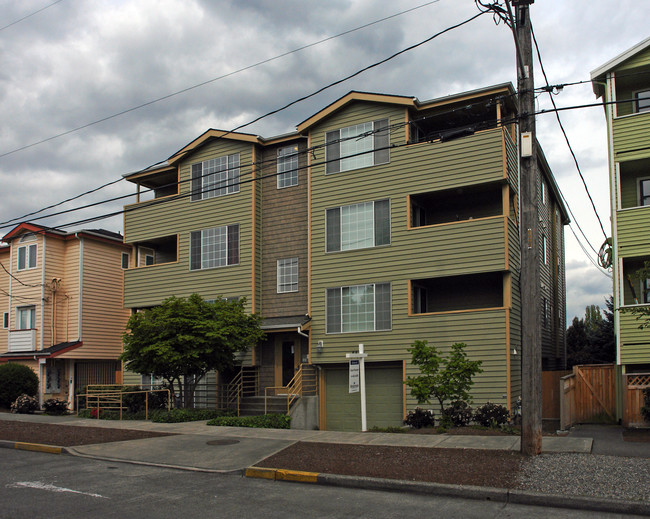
[[354, 375]]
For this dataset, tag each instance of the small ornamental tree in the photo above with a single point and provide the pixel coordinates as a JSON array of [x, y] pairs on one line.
[[445, 379], [184, 338]]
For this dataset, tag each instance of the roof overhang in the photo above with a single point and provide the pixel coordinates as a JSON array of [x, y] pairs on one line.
[[290, 323], [598, 74], [47, 353], [209, 135]]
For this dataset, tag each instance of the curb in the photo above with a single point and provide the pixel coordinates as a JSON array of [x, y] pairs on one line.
[[520, 497], [35, 447]]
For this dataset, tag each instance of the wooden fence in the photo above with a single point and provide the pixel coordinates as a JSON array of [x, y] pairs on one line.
[[633, 399], [551, 394], [588, 395]]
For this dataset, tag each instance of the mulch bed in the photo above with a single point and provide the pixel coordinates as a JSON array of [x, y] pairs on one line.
[[637, 435], [492, 468], [67, 435]]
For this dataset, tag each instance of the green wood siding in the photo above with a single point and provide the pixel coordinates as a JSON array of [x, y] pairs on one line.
[[641, 59], [149, 285], [512, 159], [635, 343], [631, 136], [633, 225]]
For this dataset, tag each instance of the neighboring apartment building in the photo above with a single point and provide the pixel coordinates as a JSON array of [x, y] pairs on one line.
[[624, 85], [380, 221], [61, 302]]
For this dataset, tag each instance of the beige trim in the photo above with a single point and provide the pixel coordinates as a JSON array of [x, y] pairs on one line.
[[350, 97], [456, 222], [506, 243], [407, 126], [460, 99], [408, 212], [212, 134], [149, 173], [461, 311]]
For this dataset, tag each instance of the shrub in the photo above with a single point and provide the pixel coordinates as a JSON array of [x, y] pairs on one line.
[[268, 421], [16, 380], [187, 415], [491, 415], [24, 404], [419, 418], [136, 402], [459, 414], [645, 410], [55, 406]]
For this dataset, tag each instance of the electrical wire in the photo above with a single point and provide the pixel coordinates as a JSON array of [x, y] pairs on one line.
[[207, 82], [19, 281], [566, 137], [30, 15]]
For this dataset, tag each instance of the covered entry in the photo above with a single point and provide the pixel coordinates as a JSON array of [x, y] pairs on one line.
[[384, 397]]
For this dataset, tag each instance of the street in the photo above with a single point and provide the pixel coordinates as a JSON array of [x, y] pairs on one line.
[[59, 486]]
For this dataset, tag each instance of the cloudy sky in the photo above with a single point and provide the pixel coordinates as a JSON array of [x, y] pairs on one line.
[[75, 62]]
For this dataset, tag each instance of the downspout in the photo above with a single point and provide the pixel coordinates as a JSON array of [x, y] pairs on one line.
[[81, 277], [300, 332]]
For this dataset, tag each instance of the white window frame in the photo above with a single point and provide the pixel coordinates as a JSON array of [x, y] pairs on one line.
[[347, 326], [544, 250], [544, 189], [287, 275], [20, 311], [357, 146], [639, 191], [144, 253], [287, 167], [27, 257], [368, 232], [215, 177], [636, 97], [216, 247]]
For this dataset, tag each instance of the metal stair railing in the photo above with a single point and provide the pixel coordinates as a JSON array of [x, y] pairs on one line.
[[304, 382], [245, 383]]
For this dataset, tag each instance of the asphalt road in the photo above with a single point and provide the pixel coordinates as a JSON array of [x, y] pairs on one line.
[[58, 486]]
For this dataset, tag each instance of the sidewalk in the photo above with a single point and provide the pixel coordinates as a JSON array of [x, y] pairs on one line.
[[237, 450]]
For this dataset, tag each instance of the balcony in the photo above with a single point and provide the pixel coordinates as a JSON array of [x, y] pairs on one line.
[[22, 340]]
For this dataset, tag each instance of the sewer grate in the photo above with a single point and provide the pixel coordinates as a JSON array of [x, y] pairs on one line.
[[222, 442]]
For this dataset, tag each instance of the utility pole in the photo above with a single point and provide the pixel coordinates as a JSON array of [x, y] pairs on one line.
[[531, 350]]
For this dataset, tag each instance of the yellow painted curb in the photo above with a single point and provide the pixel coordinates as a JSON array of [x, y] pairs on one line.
[[296, 475], [37, 447], [255, 472]]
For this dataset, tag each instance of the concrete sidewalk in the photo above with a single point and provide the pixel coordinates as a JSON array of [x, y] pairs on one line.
[[197, 446]]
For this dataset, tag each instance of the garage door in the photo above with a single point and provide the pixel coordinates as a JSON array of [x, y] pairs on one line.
[[384, 399]]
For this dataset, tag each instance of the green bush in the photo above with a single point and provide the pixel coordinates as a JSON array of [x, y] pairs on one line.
[[419, 418], [136, 402], [491, 415], [187, 415], [55, 406], [268, 421], [24, 404], [459, 414], [16, 380]]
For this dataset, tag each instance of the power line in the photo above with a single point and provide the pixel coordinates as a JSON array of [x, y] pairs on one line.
[[30, 15], [198, 85], [566, 137]]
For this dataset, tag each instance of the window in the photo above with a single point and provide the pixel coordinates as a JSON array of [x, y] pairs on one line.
[[642, 101], [215, 177], [545, 312], [645, 291], [25, 317], [544, 250], [146, 256], [419, 300], [52, 379], [360, 308], [126, 257], [216, 247], [358, 226], [287, 275], [288, 166], [5, 320], [543, 192], [357, 146], [27, 257], [644, 191], [150, 381]]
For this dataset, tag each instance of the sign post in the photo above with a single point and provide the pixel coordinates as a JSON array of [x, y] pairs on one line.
[[357, 380]]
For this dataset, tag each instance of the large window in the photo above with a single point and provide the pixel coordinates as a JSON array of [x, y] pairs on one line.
[[644, 191], [215, 177], [360, 308], [215, 247], [27, 257], [358, 226], [357, 146], [287, 275], [25, 317], [288, 166], [642, 101]]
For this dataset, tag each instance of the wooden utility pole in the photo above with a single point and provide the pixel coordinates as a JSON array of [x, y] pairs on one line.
[[531, 348]]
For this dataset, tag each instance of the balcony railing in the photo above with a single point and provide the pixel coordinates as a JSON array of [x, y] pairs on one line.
[[22, 340]]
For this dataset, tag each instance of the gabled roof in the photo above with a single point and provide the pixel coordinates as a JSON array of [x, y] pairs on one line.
[[26, 227], [208, 136], [599, 73], [351, 97]]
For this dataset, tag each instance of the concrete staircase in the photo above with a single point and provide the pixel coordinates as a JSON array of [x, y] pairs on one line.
[[254, 405]]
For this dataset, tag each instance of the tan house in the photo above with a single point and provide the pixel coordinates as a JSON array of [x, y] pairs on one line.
[[61, 298]]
